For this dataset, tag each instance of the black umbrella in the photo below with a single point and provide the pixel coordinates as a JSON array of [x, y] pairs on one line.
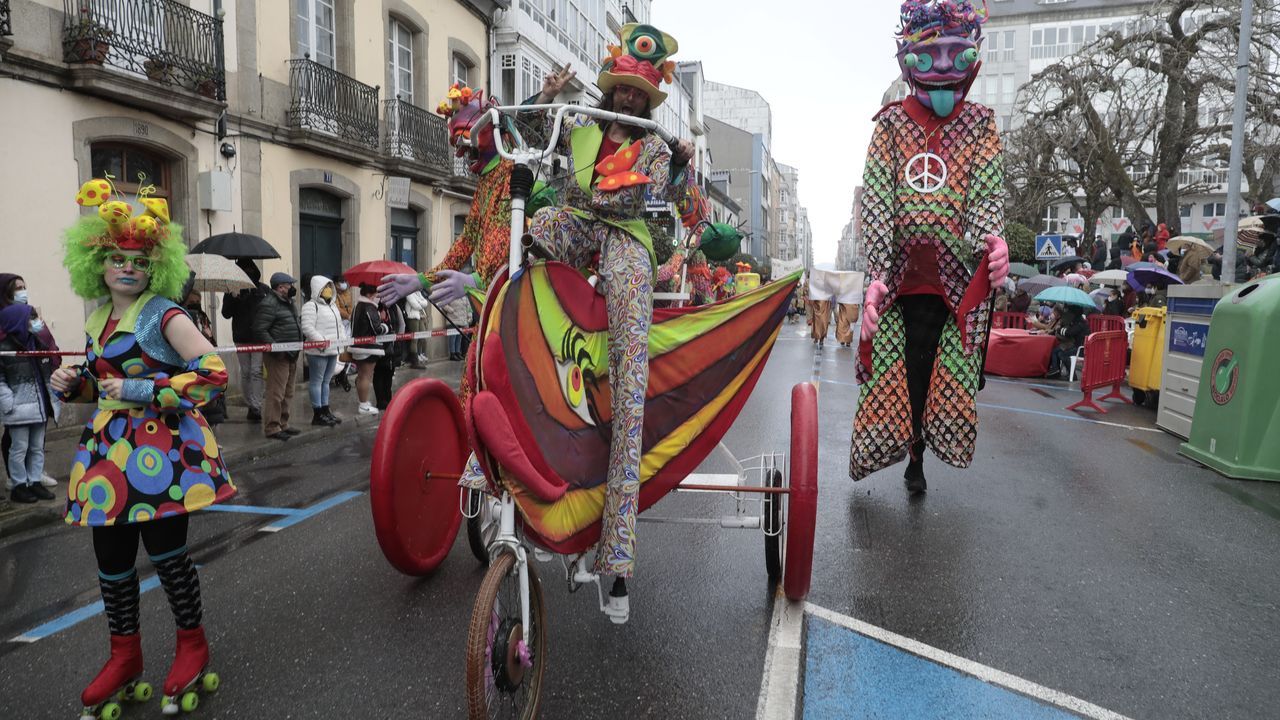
[[237, 245], [1067, 263]]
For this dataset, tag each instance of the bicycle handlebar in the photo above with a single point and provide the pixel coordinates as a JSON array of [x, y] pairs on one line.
[[493, 115]]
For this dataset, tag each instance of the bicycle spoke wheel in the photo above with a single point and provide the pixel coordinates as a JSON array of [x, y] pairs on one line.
[[504, 674]]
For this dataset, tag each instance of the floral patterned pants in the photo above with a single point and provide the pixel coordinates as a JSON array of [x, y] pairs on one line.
[[627, 276]]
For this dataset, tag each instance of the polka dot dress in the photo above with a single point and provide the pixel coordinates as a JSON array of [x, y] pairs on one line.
[[139, 464]]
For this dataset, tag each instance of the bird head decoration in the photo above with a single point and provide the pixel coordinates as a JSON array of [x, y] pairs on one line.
[[463, 107], [939, 44]]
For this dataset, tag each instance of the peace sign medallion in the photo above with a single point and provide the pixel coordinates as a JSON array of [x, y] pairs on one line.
[[926, 173]]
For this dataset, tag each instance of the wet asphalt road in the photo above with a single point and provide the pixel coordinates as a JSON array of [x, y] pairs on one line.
[[1084, 557]]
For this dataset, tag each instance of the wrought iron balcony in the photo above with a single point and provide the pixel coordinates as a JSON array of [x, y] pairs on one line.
[[5, 27], [326, 101], [416, 135], [164, 40]]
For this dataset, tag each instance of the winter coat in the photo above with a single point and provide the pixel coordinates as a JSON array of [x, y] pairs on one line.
[[1072, 332], [276, 321], [321, 319], [365, 322], [240, 309], [416, 306], [24, 389]]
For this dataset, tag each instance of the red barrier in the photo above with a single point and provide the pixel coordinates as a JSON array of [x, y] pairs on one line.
[[1105, 354], [1105, 323], [1008, 321]]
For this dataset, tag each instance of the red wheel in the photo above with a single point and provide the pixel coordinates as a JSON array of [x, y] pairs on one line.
[[418, 455], [802, 502]]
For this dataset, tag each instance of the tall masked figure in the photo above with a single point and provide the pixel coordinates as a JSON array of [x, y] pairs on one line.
[[933, 219]]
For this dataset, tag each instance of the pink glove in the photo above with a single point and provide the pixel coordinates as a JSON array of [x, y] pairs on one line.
[[395, 288], [876, 293], [997, 260], [450, 285]]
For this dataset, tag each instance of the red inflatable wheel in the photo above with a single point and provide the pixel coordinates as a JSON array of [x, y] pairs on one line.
[[418, 455], [802, 502]]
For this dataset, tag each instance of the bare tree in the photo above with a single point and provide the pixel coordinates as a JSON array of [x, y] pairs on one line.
[[1139, 106]]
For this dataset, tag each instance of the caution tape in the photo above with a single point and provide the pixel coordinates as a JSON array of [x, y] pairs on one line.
[[274, 347]]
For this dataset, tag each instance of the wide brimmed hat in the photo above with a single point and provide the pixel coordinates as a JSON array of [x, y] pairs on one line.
[[641, 62]]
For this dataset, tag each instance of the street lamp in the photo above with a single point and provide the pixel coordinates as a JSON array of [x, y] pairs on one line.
[[1237, 145]]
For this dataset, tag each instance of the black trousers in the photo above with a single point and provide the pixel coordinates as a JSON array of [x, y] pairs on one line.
[[923, 318], [383, 373], [116, 546]]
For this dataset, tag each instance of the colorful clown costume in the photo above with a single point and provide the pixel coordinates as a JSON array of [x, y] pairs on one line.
[[137, 461], [932, 217]]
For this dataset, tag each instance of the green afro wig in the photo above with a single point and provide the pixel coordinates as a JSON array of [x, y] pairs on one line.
[[83, 259]]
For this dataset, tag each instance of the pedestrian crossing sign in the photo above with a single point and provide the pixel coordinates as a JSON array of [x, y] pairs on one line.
[[1048, 247]]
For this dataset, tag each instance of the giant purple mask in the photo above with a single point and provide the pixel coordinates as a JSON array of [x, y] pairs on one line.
[[938, 50]]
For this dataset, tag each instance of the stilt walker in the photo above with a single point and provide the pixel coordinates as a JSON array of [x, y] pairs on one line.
[[933, 219], [147, 458], [612, 164]]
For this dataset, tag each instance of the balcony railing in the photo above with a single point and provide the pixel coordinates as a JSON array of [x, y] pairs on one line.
[[326, 101], [5, 28], [462, 169], [417, 135], [165, 40]]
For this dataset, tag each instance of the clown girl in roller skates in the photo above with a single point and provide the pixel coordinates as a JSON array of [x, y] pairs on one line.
[[933, 217], [147, 458]]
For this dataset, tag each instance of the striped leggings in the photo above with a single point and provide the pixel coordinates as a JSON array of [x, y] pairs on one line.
[[116, 548]]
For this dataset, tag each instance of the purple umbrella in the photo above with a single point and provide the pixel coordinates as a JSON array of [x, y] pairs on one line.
[[1156, 276]]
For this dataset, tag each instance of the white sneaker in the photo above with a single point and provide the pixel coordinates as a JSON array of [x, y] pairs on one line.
[[367, 409], [47, 481]]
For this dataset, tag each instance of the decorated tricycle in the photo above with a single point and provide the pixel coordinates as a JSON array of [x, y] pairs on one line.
[[539, 422]]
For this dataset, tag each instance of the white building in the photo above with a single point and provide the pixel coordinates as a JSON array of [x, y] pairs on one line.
[[742, 108], [533, 38]]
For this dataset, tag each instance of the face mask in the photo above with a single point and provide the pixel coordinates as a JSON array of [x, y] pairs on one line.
[[37, 326], [327, 293], [293, 292], [342, 286], [20, 296]]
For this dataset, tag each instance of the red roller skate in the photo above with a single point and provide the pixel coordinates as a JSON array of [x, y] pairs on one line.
[[189, 663], [117, 681]]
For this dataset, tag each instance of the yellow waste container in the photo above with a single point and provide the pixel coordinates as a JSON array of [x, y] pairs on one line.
[[1146, 363], [745, 282]]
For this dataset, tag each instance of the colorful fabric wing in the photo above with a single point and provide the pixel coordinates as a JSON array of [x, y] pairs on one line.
[[543, 370]]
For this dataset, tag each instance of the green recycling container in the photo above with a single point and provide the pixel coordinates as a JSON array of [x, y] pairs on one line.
[[1236, 426]]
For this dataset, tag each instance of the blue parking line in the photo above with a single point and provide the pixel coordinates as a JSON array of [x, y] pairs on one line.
[[311, 511], [253, 509], [848, 674], [63, 622]]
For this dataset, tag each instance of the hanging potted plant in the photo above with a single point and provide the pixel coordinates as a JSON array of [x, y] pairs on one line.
[[205, 82], [159, 69], [88, 41]]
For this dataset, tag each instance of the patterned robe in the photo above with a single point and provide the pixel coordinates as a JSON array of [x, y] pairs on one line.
[[486, 233], [951, 218]]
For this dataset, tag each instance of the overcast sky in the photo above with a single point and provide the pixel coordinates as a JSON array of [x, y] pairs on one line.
[[812, 60]]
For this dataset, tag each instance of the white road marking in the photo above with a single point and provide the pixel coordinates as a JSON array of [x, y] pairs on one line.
[[780, 684], [969, 667]]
